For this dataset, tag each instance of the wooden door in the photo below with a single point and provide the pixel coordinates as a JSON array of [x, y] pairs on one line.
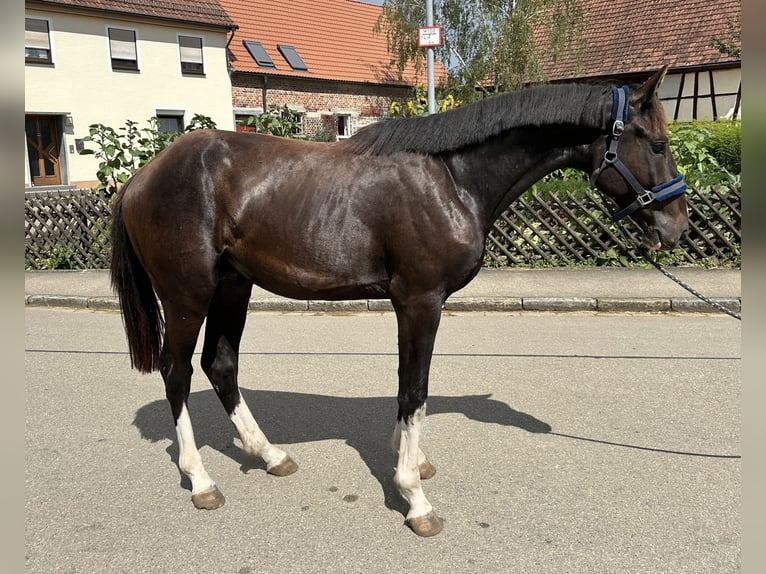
[[43, 148]]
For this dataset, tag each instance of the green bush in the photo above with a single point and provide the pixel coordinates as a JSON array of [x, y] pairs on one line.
[[277, 121], [726, 144], [58, 258], [707, 152], [123, 151]]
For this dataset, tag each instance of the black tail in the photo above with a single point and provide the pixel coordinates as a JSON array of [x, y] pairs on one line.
[[141, 316]]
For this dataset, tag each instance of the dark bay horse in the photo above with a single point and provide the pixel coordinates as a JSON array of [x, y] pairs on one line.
[[400, 211]]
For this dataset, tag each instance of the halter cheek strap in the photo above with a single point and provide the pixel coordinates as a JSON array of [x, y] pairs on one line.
[[676, 186]]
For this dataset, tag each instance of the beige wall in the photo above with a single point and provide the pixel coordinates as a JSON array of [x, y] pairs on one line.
[[81, 82]]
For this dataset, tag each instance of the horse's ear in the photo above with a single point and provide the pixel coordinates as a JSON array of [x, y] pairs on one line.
[[649, 88]]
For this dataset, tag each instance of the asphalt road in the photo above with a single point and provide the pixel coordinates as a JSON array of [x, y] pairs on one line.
[[569, 442]]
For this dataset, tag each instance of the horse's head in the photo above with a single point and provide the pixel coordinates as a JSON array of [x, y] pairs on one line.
[[639, 174]]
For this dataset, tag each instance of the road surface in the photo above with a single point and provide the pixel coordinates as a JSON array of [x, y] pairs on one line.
[[570, 442]]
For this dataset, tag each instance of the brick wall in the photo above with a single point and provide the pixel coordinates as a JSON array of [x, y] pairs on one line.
[[319, 101]]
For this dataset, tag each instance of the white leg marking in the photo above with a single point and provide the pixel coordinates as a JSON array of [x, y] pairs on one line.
[[189, 459], [407, 477], [254, 441], [396, 439]]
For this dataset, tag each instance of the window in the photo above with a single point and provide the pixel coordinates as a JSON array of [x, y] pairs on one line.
[[122, 49], [704, 94], [170, 122], [259, 54], [291, 55], [241, 116], [297, 118], [191, 55], [344, 126], [37, 41]]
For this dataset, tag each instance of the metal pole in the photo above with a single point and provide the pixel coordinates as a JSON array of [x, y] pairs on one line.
[[430, 60]]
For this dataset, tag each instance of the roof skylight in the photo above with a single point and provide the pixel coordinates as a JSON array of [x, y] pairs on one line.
[[259, 54], [291, 55]]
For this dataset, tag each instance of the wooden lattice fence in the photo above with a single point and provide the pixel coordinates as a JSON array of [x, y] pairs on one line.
[[70, 230], [570, 228], [67, 229]]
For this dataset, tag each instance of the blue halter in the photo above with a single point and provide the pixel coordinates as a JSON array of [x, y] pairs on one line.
[[676, 186]]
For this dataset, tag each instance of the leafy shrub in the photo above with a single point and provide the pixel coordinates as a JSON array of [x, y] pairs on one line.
[[707, 152], [323, 136], [58, 258], [122, 154], [277, 121], [726, 144], [417, 105]]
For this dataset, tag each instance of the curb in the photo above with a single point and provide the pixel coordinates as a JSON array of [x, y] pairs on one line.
[[502, 304]]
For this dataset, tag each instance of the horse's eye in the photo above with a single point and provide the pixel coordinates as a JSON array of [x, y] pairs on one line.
[[659, 147]]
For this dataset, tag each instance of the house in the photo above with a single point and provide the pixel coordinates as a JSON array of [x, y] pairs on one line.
[[318, 57], [109, 61], [626, 41]]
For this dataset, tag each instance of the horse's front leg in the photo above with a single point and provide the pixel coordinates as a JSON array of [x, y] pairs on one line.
[[425, 468], [418, 320]]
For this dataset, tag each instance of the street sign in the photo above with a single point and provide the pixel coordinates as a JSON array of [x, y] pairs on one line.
[[429, 36]]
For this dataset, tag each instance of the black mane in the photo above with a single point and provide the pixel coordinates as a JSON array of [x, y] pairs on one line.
[[579, 105]]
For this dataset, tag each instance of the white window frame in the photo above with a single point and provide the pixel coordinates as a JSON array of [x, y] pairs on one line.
[[347, 118], [350, 114]]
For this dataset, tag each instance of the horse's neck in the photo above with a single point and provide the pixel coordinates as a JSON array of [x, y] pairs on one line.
[[498, 171]]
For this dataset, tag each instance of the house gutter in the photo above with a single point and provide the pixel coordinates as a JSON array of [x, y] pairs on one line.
[[232, 30]]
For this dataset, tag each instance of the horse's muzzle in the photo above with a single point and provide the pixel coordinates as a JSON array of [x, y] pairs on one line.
[[655, 240]]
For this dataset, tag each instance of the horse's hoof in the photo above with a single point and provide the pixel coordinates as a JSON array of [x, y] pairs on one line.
[[209, 499], [428, 525], [284, 468], [427, 470]]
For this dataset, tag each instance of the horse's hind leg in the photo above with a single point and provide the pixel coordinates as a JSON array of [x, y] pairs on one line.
[[181, 332], [220, 361]]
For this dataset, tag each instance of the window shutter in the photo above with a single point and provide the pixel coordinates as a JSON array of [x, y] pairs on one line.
[[122, 44], [191, 49], [36, 34]]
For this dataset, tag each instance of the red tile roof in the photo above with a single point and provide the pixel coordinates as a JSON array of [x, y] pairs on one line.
[[629, 36], [207, 12], [334, 38]]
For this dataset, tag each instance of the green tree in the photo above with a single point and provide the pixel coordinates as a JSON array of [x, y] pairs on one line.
[[492, 45]]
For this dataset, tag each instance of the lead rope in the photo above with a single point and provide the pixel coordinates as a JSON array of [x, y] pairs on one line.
[[646, 253], [689, 288]]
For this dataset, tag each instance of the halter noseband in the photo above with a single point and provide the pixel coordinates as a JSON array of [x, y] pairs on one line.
[[676, 186]]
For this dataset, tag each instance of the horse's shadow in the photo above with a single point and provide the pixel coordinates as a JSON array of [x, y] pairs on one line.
[[364, 423]]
